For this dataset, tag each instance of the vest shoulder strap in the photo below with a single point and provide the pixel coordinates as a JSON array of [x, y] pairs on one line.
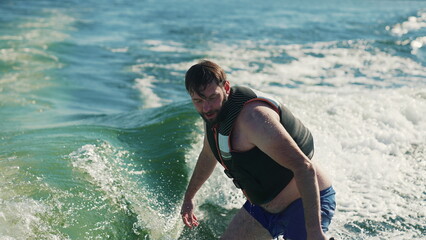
[[232, 108]]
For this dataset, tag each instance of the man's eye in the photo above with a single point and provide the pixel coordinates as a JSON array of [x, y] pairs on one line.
[[212, 98]]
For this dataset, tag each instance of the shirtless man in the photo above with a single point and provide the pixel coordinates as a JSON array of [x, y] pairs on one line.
[[267, 153]]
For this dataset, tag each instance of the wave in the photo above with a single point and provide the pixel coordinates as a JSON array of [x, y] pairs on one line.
[[152, 171]]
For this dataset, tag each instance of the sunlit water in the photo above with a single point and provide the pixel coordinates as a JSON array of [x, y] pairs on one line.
[[98, 137]]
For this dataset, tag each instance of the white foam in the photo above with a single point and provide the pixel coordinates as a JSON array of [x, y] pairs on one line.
[[352, 65], [413, 23], [146, 88], [96, 162], [29, 56], [22, 217], [50, 28], [119, 50], [218, 188], [109, 171], [53, 19], [164, 46], [417, 43], [8, 37], [174, 68], [362, 139], [146, 83]]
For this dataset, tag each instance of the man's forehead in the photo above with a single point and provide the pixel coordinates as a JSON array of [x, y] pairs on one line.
[[210, 89]]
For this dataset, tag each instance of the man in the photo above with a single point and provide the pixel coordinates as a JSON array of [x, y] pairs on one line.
[[266, 151]]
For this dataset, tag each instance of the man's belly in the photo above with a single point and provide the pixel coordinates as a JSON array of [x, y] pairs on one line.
[[290, 193], [284, 198]]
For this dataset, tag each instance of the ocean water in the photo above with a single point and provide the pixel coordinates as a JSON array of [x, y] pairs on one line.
[[98, 137]]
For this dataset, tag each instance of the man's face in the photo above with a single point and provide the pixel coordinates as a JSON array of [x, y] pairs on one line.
[[210, 101]]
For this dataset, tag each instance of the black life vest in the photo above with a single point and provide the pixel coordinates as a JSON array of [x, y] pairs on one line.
[[259, 176]]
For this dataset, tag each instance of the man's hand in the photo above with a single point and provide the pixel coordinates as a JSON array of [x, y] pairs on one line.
[[188, 217]]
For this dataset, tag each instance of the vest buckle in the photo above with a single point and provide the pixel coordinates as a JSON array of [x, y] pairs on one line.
[[229, 174], [236, 184]]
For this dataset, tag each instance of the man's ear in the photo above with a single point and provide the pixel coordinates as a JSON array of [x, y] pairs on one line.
[[227, 87]]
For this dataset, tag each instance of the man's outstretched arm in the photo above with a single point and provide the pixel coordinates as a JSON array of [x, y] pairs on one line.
[[203, 169]]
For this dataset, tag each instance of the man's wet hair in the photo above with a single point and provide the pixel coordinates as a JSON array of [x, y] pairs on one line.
[[202, 74]]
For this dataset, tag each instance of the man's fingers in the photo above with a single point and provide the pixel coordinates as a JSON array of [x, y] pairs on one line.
[[186, 221], [194, 221], [190, 220]]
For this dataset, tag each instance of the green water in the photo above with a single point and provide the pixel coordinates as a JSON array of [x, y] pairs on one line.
[[98, 137]]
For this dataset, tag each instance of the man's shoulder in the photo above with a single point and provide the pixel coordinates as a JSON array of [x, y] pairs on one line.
[[257, 112]]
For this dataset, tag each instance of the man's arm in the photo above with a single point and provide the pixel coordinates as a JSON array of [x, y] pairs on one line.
[[203, 169], [262, 127]]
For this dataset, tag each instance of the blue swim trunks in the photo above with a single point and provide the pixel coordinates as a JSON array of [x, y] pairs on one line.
[[290, 223]]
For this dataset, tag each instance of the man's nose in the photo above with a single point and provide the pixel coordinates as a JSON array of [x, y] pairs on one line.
[[206, 106]]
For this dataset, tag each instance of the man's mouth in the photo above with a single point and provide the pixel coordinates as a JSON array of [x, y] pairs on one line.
[[210, 115]]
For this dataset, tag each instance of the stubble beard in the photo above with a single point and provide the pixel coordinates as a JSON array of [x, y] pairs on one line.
[[217, 112], [213, 120]]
